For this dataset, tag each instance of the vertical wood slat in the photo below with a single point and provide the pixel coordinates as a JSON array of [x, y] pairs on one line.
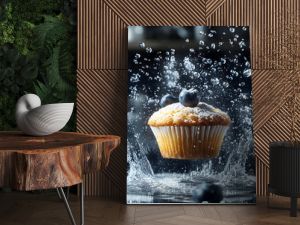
[[101, 37], [266, 18], [101, 109], [102, 52], [262, 178]]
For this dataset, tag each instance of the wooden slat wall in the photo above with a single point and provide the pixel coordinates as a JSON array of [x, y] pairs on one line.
[[102, 70]]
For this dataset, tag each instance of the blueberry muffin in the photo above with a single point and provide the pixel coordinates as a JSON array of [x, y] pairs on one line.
[[189, 129]]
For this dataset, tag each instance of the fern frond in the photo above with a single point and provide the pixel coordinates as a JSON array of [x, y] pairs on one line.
[[49, 33]]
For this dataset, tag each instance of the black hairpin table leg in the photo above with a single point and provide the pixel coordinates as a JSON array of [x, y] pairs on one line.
[[293, 210], [62, 195]]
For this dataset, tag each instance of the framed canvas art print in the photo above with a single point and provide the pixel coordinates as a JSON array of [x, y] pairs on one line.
[[189, 116]]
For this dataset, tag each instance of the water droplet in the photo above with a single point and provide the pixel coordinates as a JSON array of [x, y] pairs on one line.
[[213, 45], [247, 72], [148, 50], [210, 35], [137, 56], [244, 28], [207, 61], [225, 84], [192, 50], [243, 96], [234, 73], [201, 42], [135, 78], [232, 29], [215, 81], [242, 44], [187, 64], [223, 61], [242, 84], [187, 40], [205, 74], [142, 45], [176, 74]]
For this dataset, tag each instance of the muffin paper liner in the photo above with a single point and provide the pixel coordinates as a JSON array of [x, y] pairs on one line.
[[189, 142]]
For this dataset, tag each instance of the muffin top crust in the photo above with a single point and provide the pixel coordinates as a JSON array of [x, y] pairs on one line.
[[178, 115]]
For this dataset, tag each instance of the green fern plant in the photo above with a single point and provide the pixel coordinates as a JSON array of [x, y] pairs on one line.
[[57, 72], [17, 73], [55, 44]]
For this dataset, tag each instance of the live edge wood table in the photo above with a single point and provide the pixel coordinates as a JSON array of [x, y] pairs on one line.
[[52, 162]]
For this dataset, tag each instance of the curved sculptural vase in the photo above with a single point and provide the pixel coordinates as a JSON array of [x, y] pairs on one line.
[[39, 120]]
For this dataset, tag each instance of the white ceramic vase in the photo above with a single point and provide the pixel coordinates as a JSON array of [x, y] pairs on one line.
[[39, 120]]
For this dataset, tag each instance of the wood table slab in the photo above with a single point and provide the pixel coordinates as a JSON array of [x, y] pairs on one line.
[[57, 160]]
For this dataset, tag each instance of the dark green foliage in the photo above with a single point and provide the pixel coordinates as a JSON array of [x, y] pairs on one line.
[[70, 11], [13, 30], [37, 53], [7, 112], [17, 72], [33, 10], [52, 42]]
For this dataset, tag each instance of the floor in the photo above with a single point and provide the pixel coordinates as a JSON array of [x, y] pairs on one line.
[[45, 209]]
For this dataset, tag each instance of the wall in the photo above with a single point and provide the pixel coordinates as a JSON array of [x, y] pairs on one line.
[[102, 69]]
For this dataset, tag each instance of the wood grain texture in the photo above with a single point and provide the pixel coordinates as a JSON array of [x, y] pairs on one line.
[[45, 209], [102, 63], [104, 93], [102, 37], [56, 160], [267, 103], [102, 26]]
